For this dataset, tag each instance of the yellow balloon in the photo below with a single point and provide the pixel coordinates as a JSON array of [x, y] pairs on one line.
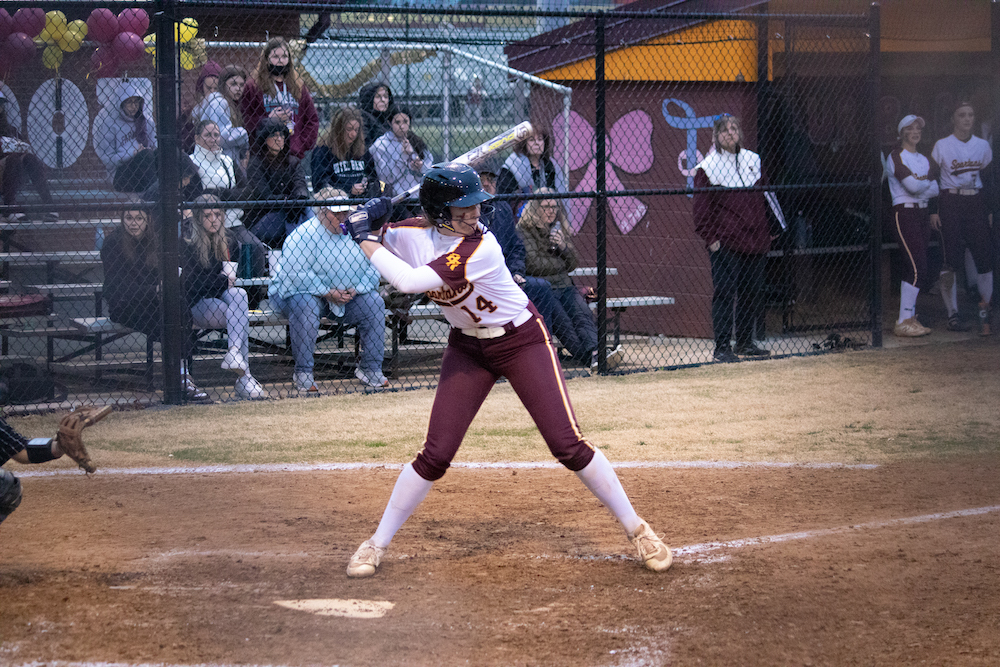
[[52, 57], [150, 41], [48, 36], [187, 30], [70, 41], [187, 60], [79, 27], [54, 20]]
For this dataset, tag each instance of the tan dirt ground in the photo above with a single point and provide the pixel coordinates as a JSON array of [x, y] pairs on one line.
[[508, 568]]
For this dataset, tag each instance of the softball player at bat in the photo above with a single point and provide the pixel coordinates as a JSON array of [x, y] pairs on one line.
[[496, 332], [962, 214], [912, 184]]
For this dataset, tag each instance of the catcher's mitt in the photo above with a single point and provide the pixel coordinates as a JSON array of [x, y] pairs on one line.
[[71, 429]]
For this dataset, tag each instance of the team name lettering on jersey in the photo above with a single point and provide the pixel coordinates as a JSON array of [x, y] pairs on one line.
[[965, 167]]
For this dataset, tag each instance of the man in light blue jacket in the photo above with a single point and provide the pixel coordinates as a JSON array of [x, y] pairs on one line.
[[324, 273]]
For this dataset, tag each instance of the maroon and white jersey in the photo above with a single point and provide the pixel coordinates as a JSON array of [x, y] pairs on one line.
[[912, 177], [961, 161], [466, 276]]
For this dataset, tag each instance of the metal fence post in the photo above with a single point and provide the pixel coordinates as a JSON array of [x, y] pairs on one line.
[[602, 197], [875, 155], [169, 176]]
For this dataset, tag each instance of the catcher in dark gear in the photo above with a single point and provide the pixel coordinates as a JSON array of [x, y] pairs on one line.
[[67, 441]]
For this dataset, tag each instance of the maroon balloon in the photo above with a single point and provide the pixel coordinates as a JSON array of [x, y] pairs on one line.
[[104, 62], [29, 21], [6, 24], [133, 20], [102, 25], [128, 47], [19, 48]]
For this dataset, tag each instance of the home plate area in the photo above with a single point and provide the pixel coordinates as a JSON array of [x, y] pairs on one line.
[[894, 564]]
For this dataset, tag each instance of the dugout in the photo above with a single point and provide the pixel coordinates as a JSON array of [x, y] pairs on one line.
[[799, 75]]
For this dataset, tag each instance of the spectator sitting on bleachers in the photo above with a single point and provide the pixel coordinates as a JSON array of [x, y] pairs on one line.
[[499, 218], [376, 103], [223, 108], [341, 161], [401, 158], [530, 167], [219, 176], [131, 262], [550, 254], [209, 286], [207, 84], [276, 91], [324, 273], [17, 159], [125, 140], [274, 174]]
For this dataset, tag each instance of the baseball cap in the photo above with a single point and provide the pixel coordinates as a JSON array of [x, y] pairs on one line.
[[909, 120], [338, 208]]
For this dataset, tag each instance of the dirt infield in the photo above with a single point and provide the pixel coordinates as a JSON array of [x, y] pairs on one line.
[[510, 567]]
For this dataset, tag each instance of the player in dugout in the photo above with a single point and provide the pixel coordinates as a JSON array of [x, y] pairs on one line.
[[496, 332]]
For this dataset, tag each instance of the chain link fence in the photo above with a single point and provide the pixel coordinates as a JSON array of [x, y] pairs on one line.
[[698, 187]]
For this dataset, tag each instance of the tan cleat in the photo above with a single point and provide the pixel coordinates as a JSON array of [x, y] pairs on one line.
[[910, 328], [653, 553], [365, 560]]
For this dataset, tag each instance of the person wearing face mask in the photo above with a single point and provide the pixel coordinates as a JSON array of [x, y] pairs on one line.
[[401, 158], [222, 107], [375, 101], [737, 236], [341, 161], [220, 177], [125, 140], [962, 216], [276, 91], [529, 168]]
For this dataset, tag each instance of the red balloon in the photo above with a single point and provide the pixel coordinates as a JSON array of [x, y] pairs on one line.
[[133, 20], [6, 24], [19, 48], [127, 47], [104, 62], [102, 25], [29, 21]]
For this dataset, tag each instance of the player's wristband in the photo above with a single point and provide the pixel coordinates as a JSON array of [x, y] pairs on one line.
[[40, 442]]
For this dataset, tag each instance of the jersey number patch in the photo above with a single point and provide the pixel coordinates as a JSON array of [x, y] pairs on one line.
[[481, 305]]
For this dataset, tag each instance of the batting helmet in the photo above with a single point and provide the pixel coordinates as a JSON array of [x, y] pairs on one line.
[[450, 184]]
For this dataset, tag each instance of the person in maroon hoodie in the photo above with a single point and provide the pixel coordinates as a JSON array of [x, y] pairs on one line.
[[737, 234], [275, 90]]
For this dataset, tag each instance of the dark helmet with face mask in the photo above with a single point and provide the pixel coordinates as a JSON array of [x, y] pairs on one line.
[[450, 184]]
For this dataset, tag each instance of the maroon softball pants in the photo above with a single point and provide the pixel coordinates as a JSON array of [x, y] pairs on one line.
[[470, 368]]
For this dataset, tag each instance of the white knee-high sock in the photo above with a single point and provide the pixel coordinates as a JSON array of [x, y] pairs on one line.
[[949, 292], [603, 482], [410, 490], [984, 282], [907, 301]]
